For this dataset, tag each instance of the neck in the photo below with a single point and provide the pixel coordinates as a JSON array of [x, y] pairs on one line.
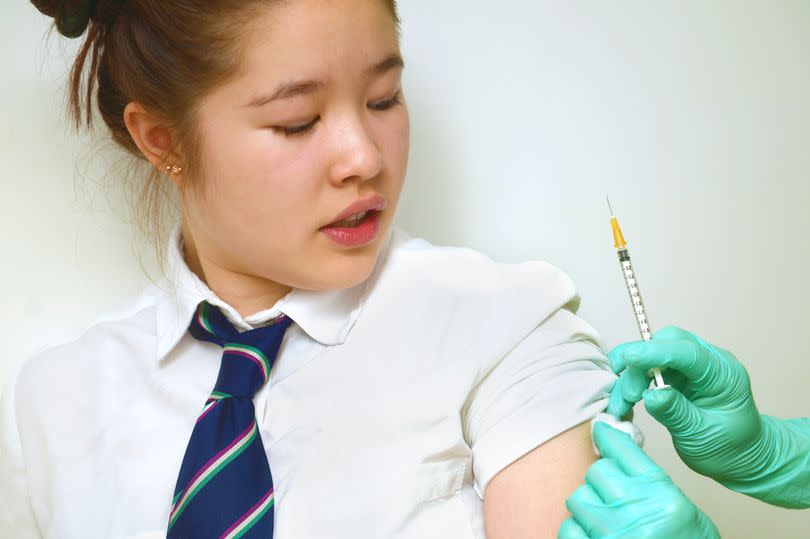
[[248, 294]]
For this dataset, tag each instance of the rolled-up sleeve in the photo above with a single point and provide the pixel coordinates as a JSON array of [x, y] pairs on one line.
[[16, 514], [553, 379]]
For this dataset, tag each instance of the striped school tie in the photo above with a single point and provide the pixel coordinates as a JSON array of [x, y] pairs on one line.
[[224, 488]]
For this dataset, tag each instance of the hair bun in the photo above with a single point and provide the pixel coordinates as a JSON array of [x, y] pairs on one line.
[[71, 16]]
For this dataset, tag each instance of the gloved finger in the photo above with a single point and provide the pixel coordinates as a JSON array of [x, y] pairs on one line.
[[620, 448], [617, 406], [635, 382], [570, 529], [584, 504], [684, 355], [669, 407], [616, 356], [676, 333], [673, 333], [607, 478], [626, 391]]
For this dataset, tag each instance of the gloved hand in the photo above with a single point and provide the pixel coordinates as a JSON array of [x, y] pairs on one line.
[[710, 413], [627, 495]]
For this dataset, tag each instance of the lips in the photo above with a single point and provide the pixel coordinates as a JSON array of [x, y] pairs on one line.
[[362, 234], [375, 202]]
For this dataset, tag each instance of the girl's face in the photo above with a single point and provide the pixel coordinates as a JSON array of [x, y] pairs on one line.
[[269, 190]]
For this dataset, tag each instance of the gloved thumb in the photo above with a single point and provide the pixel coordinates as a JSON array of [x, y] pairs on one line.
[[571, 529], [670, 408]]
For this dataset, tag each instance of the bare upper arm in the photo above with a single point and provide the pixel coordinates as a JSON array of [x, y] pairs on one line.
[[526, 500]]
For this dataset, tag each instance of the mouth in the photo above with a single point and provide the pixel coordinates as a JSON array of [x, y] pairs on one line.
[[355, 220], [355, 233]]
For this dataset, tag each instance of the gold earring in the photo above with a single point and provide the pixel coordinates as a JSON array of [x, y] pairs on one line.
[[173, 169]]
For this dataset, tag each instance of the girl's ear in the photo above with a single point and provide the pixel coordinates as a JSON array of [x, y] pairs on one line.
[[151, 135]]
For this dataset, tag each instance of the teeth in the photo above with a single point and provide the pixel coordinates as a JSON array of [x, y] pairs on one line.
[[352, 221]]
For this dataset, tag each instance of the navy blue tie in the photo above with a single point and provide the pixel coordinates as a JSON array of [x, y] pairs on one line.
[[224, 488]]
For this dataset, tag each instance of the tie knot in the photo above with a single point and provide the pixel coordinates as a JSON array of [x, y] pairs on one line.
[[247, 357]]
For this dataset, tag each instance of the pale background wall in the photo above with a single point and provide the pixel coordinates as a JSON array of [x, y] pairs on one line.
[[693, 116]]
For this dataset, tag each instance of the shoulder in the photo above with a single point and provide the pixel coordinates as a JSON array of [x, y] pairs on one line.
[[529, 288], [93, 353]]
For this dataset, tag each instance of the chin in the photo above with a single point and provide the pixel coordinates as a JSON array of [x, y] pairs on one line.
[[358, 273], [347, 271]]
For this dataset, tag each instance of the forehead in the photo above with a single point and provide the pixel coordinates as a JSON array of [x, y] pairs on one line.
[[320, 39]]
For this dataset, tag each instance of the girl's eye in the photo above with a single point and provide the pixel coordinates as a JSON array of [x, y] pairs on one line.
[[389, 103], [294, 131], [303, 129]]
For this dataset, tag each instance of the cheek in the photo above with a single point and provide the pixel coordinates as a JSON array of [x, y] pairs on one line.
[[233, 161], [400, 138], [277, 182], [251, 161]]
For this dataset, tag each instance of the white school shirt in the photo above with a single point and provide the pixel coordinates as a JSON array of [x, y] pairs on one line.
[[388, 409]]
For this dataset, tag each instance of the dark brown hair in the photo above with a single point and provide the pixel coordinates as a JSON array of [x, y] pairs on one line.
[[165, 55]]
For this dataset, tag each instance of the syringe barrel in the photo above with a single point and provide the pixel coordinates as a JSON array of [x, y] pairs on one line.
[[635, 294]]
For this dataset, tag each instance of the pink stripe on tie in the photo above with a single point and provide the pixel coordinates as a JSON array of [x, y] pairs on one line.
[[205, 413]]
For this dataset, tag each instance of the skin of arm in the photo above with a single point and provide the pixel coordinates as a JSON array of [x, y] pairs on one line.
[[526, 500]]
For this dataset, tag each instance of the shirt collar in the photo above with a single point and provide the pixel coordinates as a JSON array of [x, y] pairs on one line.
[[326, 316]]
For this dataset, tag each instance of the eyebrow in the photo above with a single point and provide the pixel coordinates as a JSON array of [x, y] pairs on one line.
[[303, 87]]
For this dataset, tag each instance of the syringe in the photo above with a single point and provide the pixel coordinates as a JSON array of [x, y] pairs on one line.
[[632, 288]]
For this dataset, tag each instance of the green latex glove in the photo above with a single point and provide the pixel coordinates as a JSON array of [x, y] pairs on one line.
[[627, 495], [710, 413]]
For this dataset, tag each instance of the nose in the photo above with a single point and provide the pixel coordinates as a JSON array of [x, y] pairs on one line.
[[357, 153]]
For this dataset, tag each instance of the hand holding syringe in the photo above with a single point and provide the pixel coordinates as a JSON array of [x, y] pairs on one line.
[[632, 288], [715, 426], [709, 412]]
